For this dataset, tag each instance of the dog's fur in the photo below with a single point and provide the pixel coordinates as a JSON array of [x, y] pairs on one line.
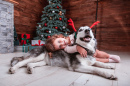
[[74, 62]]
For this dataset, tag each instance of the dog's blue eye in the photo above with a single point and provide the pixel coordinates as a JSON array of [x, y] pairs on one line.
[[80, 30]]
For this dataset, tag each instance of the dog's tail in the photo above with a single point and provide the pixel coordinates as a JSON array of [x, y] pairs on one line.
[[15, 60]]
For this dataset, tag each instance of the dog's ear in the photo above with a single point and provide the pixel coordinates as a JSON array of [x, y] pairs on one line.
[[77, 30], [75, 35]]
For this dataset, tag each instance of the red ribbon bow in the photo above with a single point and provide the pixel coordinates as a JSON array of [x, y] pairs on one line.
[[39, 43]]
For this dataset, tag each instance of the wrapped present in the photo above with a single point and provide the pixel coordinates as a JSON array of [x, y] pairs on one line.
[[32, 47], [25, 39], [25, 48], [37, 43]]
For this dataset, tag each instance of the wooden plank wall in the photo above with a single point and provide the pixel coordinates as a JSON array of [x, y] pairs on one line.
[[27, 13], [113, 32]]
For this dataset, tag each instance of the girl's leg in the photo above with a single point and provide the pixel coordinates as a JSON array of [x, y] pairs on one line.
[[104, 57], [114, 58], [102, 60], [101, 54]]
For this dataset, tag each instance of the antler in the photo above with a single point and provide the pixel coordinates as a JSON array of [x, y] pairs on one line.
[[95, 23], [71, 23]]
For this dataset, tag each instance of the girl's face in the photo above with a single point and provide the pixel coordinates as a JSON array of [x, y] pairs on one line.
[[60, 43]]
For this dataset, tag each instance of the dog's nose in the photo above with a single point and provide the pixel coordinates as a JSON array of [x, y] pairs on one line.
[[87, 31]]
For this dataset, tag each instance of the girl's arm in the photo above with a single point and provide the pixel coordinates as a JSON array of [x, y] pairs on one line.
[[76, 48], [71, 49], [82, 51]]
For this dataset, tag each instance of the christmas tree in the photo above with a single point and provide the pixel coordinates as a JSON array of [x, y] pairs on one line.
[[16, 41], [53, 21]]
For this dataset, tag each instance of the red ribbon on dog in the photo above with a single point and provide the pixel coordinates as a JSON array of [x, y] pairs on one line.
[[95, 23]]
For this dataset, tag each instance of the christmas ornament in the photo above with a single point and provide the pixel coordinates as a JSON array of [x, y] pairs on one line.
[[50, 18], [39, 25], [58, 7], [63, 27], [48, 36], [60, 18], [41, 35], [60, 13], [49, 2], [49, 31], [53, 11], [45, 24], [56, 27]]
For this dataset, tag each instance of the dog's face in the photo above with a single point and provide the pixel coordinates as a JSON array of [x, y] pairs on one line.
[[84, 35]]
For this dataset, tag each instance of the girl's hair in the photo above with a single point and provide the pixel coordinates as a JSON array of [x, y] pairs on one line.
[[49, 42]]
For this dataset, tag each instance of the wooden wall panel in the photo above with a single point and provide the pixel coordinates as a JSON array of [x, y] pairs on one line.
[[113, 33], [27, 13]]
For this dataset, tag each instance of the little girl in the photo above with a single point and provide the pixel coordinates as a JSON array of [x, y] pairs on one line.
[[57, 42]]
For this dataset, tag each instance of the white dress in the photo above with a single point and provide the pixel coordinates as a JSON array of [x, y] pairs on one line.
[[70, 48]]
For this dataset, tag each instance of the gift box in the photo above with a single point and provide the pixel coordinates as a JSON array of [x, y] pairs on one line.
[[23, 48], [37, 43], [25, 38]]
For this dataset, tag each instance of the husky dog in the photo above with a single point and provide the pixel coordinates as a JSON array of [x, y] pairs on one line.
[[74, 62]]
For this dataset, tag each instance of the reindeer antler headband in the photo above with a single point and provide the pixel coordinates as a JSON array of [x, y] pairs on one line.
[[95, 24], [71, 23]]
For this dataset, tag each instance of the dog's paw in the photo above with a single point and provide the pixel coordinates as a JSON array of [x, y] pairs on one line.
[[70, 68], [30, 70], [11, 70], [111, 67], [112, 77]]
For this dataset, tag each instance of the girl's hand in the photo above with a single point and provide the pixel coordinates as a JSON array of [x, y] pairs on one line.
[[50, 55], [82, 51]]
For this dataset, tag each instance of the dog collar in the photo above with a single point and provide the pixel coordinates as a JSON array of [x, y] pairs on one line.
[[75, 35]]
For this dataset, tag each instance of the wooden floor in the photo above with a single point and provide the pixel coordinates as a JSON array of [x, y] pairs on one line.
[[56, 76]]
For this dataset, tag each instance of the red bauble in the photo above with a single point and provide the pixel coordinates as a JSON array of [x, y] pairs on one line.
[[48, 36], [58, 7], [47, 31], [56, 27], [60, 18], [45, 24]]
